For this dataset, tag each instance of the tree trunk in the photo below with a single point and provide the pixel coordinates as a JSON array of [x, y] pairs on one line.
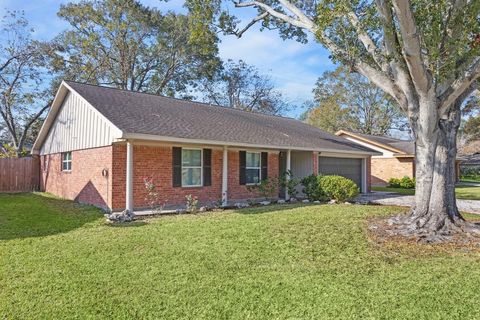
[[435, 213]]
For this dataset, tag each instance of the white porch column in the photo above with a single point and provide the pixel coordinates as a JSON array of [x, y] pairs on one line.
[[363, 188], [225, 177], [129, 178], [287, 177]]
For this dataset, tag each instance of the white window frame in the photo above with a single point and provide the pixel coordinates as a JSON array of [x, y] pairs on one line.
[[67, 161], [193, 167], [259, 168]]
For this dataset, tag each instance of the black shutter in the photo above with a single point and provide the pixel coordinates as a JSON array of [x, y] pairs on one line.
[[177, 166], [207, 167], [243, 164], [264, 165]]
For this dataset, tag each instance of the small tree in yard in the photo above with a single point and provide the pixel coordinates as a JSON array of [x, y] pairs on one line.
[[424, 54]]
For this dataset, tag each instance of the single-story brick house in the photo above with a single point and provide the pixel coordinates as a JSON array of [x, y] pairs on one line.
[[397, 158], [98, 144]]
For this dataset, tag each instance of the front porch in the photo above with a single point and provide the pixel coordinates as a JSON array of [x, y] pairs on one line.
[[220, 174]]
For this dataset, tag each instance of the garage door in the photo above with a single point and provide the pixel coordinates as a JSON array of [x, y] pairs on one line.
[[345, 167]]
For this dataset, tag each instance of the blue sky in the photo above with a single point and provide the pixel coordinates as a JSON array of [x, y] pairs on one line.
[[294, 67]]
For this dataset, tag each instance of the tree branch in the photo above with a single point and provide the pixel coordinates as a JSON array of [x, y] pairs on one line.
[[279, 15], [367, 42], [382, 81], [251, 23], [459, 86], [412, 45]]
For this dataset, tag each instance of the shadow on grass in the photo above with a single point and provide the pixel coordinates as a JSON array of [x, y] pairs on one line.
[[26, 215]]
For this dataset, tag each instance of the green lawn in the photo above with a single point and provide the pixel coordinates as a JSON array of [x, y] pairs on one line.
[[462, 191], [60, 260]]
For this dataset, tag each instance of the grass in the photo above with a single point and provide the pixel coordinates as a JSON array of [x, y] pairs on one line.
[[462, 191], [471, 179], [60, 260]]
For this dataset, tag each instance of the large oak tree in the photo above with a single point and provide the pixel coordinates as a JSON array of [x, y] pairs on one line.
[[124, 44], [423, 53]]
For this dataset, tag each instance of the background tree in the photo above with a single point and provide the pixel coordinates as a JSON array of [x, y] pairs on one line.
[[349, 101], [472, 128], [123, 44], [240, 86], [24, 89], [424, 54]]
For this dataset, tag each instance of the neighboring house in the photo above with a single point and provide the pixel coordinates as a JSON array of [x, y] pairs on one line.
[[397, 158], [98, 144]]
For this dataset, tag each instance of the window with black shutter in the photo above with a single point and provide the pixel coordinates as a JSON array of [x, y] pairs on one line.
[[177, 166], [207, 167], [242, 169], [264, 165]]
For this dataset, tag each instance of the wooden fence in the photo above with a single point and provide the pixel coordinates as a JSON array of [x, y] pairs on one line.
[[19, 175]]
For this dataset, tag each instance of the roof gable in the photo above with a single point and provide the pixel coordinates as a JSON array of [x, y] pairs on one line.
[[73, 124], [397, 146]]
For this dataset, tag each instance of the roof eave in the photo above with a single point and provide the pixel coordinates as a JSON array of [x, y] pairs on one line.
[[150, 137], [375, 143]]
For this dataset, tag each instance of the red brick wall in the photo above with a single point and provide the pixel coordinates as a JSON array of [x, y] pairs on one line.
[[237, 191], [385, 168], [85, 182], [156, 162]]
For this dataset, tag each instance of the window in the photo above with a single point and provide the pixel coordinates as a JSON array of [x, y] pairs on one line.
[[253, 167], [67, 161], [191, 167]]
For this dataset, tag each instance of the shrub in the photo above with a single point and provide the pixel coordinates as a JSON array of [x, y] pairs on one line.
[[311, 188], [267, 188], [407, 183], [394, 183], [338, 188], [152, 195], [192, 203]]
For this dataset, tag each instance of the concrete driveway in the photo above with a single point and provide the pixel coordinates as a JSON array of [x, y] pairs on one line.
[[395, 199]]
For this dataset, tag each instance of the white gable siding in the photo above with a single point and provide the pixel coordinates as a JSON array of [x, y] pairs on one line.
[[386, 153], [78, 126]]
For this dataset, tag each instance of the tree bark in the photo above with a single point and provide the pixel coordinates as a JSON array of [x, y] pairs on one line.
[[435, 214]]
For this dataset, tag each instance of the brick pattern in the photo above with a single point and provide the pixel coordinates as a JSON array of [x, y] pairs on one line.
[[385, 168], [156, 162], [85, 182], [240, 192]]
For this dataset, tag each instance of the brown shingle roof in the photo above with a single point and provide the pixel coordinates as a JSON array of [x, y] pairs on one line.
[[141, 113]]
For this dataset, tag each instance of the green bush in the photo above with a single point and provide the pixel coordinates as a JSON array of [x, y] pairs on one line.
[[394, 183], [311, 188], [407, 183], [338, 188]]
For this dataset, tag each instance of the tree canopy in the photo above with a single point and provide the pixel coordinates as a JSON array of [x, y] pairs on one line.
[[24, 80], [241, 86], [124, 44], [345, 100]]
